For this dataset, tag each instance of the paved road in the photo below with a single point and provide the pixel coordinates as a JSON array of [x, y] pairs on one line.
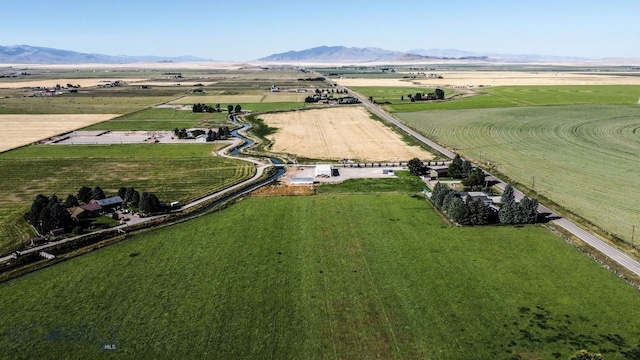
[[608, 250]]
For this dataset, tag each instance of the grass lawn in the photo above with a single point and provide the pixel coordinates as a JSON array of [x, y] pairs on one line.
[[584, 157], [181, 172], [328, 276]]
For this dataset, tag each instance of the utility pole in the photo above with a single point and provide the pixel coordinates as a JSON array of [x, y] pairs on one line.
[[633, 232], [533, 183]]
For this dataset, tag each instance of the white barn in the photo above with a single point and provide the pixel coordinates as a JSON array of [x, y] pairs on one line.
[[324, 170]]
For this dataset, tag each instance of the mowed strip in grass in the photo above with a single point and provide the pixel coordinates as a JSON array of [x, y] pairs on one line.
[[180, 172], [163, 119], [329, 276], [584, 157]]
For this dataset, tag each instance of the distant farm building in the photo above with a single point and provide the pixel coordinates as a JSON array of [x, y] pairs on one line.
[[302, 181], [324, 170]]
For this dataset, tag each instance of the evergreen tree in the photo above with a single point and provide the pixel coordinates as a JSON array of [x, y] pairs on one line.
[[71, 201], [509, 213], [97, 193], [447, 200], [415, 166], [528, 210], [238, 108], [122, 192], [84, 194], [467, 166], [507, 195], [230, 108], [455, 168], [481, 212], [128, 195], [135, 198]]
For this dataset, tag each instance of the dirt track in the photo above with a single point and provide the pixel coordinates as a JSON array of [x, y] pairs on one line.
[[339, 133]]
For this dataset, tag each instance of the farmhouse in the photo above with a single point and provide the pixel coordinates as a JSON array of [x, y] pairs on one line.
[[109, 203], [324, 170]]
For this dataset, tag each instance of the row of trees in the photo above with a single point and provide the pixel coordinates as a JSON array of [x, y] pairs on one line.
[[203, 108], [145, 202], [438, 94], [223, 133], [464, 212], [512, 212]]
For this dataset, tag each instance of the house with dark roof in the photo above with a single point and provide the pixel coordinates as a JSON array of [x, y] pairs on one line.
[[109, 204]]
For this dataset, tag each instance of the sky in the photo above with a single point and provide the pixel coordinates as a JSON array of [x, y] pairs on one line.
[[243, 30]]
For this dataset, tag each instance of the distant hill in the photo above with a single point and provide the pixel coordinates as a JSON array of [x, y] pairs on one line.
[[512, 58], [25, 54], [341, 54]]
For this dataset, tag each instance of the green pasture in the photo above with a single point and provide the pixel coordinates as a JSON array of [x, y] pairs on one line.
[[518, 96], [181, 172], [584, 157], [404, 181], [392, 95], [163, 119], [329, 276]]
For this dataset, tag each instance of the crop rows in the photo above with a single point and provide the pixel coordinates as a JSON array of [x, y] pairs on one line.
[[583, 157]]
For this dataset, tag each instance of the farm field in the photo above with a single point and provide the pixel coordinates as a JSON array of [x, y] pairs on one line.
[[181, 172], [584, 157], [83, 82], [163, 119], [508, 96], [223, 100], [102, 103], [328, 276], [338, 133], [19, 130], [475, 78]]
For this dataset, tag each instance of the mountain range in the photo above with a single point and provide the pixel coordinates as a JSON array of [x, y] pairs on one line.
[[340, 54], [25, 54]]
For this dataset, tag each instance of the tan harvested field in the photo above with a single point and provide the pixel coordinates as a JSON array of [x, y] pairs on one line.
[[62, 82], [338, 133], [21, 130], [499, 78], [219, 99]]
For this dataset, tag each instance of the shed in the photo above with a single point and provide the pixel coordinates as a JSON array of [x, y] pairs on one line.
[[39, 240], [301, 181], [110, 202], [324, 170], [436, 172], [56, 232]]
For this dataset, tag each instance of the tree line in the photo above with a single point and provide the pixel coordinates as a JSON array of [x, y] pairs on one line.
[[464, 212], [512, 212], [203, 108], [438, 94]]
